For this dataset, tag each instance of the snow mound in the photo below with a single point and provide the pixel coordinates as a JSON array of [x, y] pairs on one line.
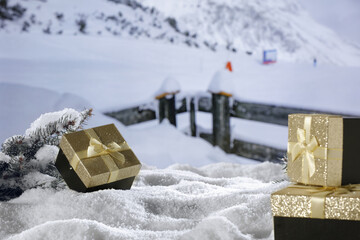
[[163, 204], [169, 86], [222, 81]]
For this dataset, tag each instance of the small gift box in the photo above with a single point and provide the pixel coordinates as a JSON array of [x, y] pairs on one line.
[[97, 158], [323, 149], [321, 213]]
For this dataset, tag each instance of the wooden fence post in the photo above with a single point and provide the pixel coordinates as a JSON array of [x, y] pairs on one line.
[[192, 118], [167, 109], [221, 121], [166, 96]]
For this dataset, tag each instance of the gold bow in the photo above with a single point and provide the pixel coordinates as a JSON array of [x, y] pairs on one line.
[[306, 147], [108, 153], [96, 148], [318, 196]]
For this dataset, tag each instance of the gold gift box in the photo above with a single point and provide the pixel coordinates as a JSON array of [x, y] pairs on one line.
[[301, 201], [323, 149], [99, 156]]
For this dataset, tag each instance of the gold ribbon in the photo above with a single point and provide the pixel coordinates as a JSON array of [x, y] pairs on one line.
[[98, 149], [318, 196], [306, 147]]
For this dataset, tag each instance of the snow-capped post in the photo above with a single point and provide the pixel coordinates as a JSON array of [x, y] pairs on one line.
[[221, 88], [192, 117], [166, 96]]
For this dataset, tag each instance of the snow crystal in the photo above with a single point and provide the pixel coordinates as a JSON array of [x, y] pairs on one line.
[[222, 81]]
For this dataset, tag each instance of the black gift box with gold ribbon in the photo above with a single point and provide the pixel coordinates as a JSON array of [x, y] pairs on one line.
[[323, 150], [97, 158], [321, 213]]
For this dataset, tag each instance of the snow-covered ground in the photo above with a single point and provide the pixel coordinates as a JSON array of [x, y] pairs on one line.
[[111, 74], [218, 201]]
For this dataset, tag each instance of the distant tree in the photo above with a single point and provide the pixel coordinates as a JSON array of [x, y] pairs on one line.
[[81, 24]]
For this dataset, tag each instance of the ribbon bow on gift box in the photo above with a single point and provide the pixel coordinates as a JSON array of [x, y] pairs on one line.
[[110, 153], [306, 147], [313, 153], [96, 148]]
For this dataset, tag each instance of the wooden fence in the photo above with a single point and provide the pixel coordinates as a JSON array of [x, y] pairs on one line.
[[222, 110]]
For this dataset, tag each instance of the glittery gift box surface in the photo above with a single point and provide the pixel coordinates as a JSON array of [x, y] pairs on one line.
[[323, 149], [302, 201], [306, 212], [97, 158]]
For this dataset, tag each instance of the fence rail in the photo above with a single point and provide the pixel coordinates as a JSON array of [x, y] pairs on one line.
[[239, 109]]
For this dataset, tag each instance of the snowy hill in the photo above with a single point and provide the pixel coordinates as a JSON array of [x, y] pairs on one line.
[[256, 25], [239, 26], [120, 18]]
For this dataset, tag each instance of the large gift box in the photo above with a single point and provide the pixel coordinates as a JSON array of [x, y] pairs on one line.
[[97, 158], [302, 213], [323, 149]]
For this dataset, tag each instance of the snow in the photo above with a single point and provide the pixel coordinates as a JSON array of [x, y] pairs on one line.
[[169, 86], [17, 109], [46, 118], [179, 202], [46, 155], [339, 16], [222, 82], [257, 25], [186, 189], [237, 25], [4, 157], [121, 77]]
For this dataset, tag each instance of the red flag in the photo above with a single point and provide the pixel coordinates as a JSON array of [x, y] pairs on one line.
[[228, 66]]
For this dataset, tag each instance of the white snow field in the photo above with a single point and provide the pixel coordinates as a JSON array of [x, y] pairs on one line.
[[218, 201], [112, 73]]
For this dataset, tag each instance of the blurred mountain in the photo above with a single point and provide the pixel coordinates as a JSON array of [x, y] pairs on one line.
[[235, 25]]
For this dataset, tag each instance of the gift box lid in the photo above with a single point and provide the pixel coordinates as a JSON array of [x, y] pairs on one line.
[[317, 202], [100, 155]]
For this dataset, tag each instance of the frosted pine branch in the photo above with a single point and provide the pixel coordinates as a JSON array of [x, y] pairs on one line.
[[36, 150]]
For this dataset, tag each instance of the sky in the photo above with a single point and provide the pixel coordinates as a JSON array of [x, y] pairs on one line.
[[343, 16]]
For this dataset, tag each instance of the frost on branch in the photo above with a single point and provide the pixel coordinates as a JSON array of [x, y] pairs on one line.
[[36, 151]]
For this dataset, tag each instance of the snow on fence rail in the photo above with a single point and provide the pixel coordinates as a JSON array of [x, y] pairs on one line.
[[221, 109]]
